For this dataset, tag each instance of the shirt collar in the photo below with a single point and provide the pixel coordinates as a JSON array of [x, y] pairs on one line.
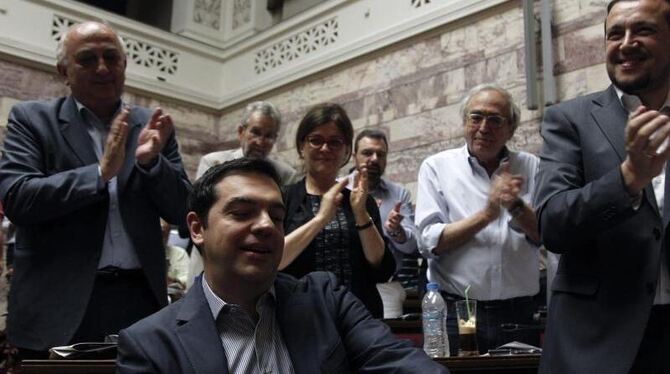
[[632, 102], [238, 153], [216, 304], [505, 155], [382, 185], [85, 112]]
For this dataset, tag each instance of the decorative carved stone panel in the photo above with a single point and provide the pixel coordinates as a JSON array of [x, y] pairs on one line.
[[59, 26], [241, 13], [297, 46], [158, 60], [152, 57], [207, 13], [419, 3]]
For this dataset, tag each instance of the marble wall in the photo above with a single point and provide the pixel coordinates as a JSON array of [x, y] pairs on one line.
[[195, 126], [412, 89]]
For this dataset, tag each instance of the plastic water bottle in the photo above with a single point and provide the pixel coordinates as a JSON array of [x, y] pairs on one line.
[[435, 339]]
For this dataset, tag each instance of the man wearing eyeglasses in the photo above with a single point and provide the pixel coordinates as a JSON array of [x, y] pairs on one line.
[[257, 134], [476, 227]]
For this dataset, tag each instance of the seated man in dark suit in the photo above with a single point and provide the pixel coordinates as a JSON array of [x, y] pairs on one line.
[[241, 316]]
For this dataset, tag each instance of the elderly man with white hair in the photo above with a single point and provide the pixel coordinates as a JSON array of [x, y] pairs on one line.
[[257, 133], [476, 226]]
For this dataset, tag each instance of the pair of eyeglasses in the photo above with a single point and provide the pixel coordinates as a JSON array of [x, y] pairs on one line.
[[492, 120], [317, 142]]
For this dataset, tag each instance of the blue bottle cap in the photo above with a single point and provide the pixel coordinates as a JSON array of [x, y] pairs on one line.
[[432, 286]]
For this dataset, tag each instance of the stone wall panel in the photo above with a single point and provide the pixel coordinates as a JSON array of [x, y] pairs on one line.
[[412, 90]]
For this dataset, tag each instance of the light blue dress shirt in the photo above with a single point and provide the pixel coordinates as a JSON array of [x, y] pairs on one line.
[[117, 248]]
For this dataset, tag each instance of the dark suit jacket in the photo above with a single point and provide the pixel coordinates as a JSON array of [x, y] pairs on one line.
[[606, 279], [49, 188], [325, 328], [363, 276]]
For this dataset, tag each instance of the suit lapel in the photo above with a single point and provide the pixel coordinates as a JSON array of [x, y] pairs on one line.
[[198, 335], [134, 127], [292, 310], [611, 117], [75, 133]]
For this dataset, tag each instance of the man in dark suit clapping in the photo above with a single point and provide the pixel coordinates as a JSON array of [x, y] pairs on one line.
[[602, 201], [85, 179]]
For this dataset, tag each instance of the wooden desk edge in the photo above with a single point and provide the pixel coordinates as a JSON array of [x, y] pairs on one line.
[[483, 362], [109, 366], [71, 366]]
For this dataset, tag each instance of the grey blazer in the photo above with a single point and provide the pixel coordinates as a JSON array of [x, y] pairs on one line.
[[49, 189], [606, 279]]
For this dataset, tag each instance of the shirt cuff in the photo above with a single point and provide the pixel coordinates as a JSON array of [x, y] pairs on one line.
[[429, 239], [101, 184], [636, 200], [408, 246]]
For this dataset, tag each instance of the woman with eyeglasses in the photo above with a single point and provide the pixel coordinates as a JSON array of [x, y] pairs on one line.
[[329, 227]]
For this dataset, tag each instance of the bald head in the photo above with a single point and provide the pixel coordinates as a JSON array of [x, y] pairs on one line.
[[82, 29], [92, 62]]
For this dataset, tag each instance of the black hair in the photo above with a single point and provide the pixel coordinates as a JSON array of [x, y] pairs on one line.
[[370, 133], [612, 3], [322, 114], [203, 196]]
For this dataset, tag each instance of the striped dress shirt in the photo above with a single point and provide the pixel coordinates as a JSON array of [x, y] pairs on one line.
[[250, 347]]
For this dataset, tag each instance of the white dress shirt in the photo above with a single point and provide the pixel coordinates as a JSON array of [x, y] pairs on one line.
[[499, 262]]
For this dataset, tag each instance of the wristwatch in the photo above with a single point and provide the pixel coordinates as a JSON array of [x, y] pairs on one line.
[[365, 225], [395, 234], [516, 208]]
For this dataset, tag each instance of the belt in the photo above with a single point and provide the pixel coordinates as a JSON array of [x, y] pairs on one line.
[[502, 302], [661, 308], [114, 273]]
